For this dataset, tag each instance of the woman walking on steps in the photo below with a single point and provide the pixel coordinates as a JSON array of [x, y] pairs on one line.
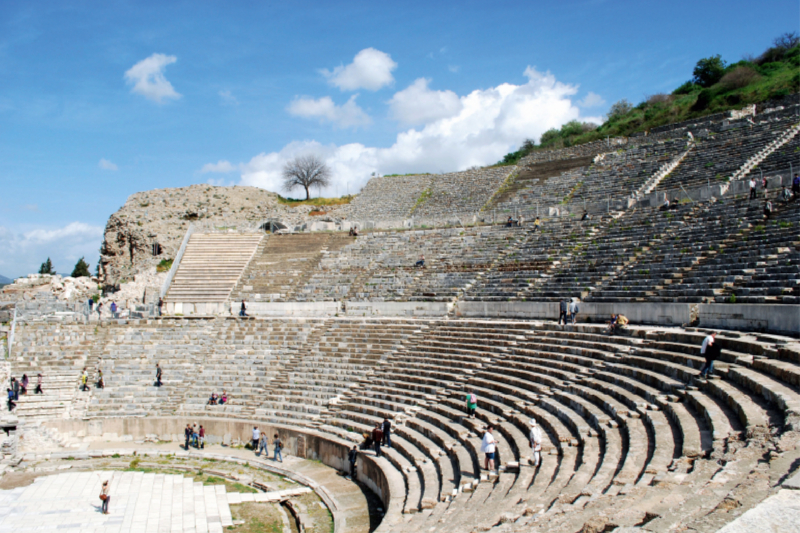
[[105, 497]]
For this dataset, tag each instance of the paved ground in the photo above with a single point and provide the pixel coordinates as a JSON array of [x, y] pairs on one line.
[[140, 503]]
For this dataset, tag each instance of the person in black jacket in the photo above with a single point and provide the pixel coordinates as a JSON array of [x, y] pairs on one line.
[[387, 432], [562, 308], [352, 457]]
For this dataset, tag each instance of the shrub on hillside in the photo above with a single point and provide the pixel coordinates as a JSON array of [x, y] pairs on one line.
[[660, 98], [686, 88], [739, 77], [780, 48], [623, 107], [81, 269], [708, 71]]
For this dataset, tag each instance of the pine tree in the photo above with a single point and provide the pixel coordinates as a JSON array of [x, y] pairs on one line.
[[81, 269], [47, 267]]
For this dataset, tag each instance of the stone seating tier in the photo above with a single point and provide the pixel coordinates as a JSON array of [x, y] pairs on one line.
[[625, 418]]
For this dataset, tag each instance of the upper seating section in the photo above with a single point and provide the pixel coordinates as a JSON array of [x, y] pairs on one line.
[[718, 155], [459, 193], [389, 197]]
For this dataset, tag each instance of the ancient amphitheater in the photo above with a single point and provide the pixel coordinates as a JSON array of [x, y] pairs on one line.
[[346, 331]]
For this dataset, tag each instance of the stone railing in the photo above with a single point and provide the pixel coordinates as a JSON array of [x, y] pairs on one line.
[[177, 261]]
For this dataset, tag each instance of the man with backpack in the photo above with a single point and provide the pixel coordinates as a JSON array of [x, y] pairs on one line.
[[278, 447], [386, 427], [562, 309], [158, 375], [472, 404], [573, 311]]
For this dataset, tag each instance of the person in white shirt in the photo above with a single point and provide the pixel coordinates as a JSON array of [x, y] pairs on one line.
[[256, 437], [536, 442], [489, 448], [752, 188]]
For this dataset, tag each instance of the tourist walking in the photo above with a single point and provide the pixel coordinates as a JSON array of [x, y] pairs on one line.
[[536, 442], [101, 384], [562, 311], [796, 185], [38, 389], [573, 311], [187, 433], [377, 438], [708, 351], [243, 310], [160, 305], [277, 447], [15, 388], [256, 437], [767, 210], [99, 311], [764, 186], [24, 384], [489, 448], [195, 436], [386, 427], [263, 444], [471, 402], [91, 305], [114, 313], [159, 375], [202, 437], [105, 497], [752, 188], [84, 380], [536, 224], [11, 404], [352, 458]]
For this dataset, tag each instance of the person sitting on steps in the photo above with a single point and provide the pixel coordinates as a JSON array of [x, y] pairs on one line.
[[213, 399], [421, 262]]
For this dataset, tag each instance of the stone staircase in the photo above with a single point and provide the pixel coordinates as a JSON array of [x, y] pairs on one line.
[[211, 266], [651, 184], [754, 161]]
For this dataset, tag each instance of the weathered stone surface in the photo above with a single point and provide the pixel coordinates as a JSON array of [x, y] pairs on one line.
[[778, 513]]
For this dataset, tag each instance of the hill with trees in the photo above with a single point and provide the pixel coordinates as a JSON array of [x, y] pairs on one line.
[[715, 86]]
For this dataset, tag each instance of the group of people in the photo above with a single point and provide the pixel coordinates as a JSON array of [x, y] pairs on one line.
[[568, 311], [195, 436], [381, 435], [617, 323], [19, 387], [99, 383], [218, 399], [354, 231], [115, 310], [260, 444], [491, 461]]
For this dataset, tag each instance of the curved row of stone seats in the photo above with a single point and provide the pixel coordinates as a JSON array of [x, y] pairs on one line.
[[339, 354], [620, 174], [596, 256], [59, 352], [717, 156], [211, 265], [541, 253], [534, 199], [283, 264], [461, 192], [784, 159], [714, 250], [380, 265], [624, 417], [389, 197]]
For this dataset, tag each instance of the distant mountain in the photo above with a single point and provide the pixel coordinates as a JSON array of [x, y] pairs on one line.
[[5, 281]]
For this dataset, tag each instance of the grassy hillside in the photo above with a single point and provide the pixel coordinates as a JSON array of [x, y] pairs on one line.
[[715, 87]]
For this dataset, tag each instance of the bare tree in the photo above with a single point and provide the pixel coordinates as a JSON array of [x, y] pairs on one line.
[[306, 171]]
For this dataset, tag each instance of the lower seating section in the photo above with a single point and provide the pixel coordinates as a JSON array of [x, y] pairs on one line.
[[630, 432]]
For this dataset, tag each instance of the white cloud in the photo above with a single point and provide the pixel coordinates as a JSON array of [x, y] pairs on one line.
[[453, 68], [416, 104], [228, 98], [488, 124], [27, 250], [147, 78], [371, 69], [345, 116], [591, 100], [221, 167], [105, 164]]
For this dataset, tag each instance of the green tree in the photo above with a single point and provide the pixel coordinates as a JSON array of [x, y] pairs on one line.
[[709, 71], [47, 267], [81, 269]]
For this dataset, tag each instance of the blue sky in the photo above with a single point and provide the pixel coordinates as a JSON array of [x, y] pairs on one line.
[[99, 100]]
